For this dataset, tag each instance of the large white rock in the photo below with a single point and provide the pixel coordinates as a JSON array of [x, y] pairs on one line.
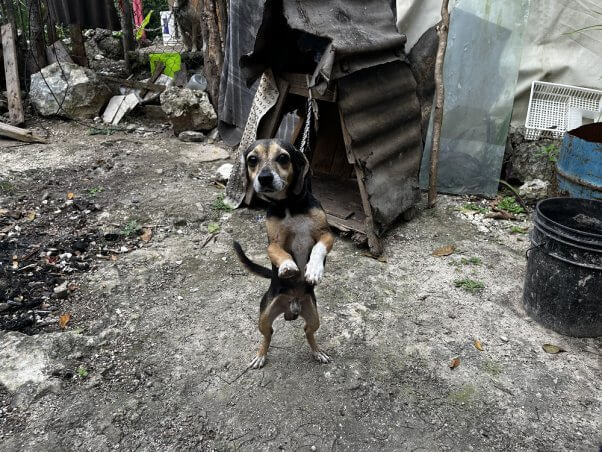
[[79, 91], [534, 190], [188, 109]]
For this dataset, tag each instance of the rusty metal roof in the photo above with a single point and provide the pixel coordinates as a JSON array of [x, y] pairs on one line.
[[382, 115]]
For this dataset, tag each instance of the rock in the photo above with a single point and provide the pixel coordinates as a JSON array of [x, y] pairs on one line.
[[534, 190], [188, 109], [213, 136], [222, 174], [528, 160], [210, 153], [83, 92], [61, 291], [191, 136], [111, 46]]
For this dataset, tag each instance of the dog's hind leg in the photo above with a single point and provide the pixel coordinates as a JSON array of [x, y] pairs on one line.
[[309, 312], [266, 319]]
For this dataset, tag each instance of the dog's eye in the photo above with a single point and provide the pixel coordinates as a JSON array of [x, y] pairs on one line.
[[283, 159], [252, 160]]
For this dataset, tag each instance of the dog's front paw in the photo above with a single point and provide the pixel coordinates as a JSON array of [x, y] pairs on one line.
[[314, 272], [288, 269], [321, 357], [258, 362]]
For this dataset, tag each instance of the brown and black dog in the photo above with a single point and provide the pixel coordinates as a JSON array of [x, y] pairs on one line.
[[298, 239]]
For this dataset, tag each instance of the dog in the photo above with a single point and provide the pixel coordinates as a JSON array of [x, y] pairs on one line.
[[188, 17], [299, 239]]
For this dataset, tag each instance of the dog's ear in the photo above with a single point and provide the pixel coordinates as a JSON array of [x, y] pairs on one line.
[[302, 171], [248, 183]]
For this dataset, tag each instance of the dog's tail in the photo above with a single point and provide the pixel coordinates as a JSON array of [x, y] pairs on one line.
[[249, 264]]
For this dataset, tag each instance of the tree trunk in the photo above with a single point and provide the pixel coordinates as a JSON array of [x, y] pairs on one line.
[[50, 26], [440, 96], [213, 28], [37, 58], [127, 31]]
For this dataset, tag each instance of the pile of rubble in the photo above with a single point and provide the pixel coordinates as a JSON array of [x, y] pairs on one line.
[[66, 89]]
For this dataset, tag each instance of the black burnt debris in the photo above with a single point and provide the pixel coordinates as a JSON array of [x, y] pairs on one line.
[[44, 244]]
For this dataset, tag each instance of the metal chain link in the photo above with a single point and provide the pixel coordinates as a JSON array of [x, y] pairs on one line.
[[308, 119]]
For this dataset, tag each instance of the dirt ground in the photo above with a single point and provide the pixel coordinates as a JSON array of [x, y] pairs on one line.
[[162, 328]]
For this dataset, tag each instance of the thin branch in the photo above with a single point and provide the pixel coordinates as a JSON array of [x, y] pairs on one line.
[[440, 95]]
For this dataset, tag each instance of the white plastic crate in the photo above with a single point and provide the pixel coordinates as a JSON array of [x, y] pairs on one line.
[[554, 109]]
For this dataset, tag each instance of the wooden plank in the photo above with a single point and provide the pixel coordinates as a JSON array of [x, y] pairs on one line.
[[159, 67], [77, 45], [298, 86], [134, 84], [58, 52], [17, 133], [374, 242], [345, 225], [270, 122], [11, 71]]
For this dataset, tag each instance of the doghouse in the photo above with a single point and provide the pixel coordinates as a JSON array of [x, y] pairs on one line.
[[349, 57]]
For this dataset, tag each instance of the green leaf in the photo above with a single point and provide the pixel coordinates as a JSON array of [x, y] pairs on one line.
[[140, 29], [213, 228], [82, 372]]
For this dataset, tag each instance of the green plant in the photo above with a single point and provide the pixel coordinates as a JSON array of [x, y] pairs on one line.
[[550, 152], [466, 261], [471, 261], [6, 187], [130, 228], [213, 228], [492, 368], [464, 394], [95, 190], [509, 204], [219, 204], [469, 285], [82, 372], [518, 230], [475, 207]]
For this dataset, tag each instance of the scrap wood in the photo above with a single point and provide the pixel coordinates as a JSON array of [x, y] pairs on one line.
[[11, 72], [20, 134], [134, 84], [58, 52], [442, 31], [160, 66], [499, 214]]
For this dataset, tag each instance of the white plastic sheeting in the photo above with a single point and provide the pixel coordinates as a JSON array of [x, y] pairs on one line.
[[479, 94], [552, 51]]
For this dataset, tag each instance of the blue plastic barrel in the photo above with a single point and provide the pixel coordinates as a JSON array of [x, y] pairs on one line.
[[580, 162]]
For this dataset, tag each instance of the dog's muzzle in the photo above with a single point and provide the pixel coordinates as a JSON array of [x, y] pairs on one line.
[[267, 182]]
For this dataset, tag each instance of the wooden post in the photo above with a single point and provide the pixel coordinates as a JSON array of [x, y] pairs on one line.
[[213, 53], [11, 71], [77, 43], [374, 242], [440, 96], [127, 31], [50, 26], [37, 57]]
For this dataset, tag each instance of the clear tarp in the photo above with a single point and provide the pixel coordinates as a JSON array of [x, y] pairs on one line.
[[480, 73]]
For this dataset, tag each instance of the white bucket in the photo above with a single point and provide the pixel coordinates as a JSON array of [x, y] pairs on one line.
[[171, 35]]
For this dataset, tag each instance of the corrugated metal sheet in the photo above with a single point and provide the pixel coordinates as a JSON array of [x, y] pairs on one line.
[[381, 112], [87, 13]]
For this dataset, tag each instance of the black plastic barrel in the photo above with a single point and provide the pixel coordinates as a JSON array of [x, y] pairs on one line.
[[563, 285]]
